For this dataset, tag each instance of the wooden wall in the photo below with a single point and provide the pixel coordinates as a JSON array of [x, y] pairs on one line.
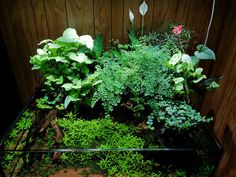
[[222, 102], [24, 23]]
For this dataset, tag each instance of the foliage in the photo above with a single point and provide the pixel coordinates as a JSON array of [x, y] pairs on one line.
[[15, 140], [23, 124], [135, 74], [67, 66], [175, 115], [104, 134], [143, 77]]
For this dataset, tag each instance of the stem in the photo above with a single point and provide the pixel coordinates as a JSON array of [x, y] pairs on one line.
[[186, 91], [142, 25]]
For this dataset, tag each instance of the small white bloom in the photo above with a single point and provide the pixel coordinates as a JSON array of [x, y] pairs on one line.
[[87, 40], [131, 16], [143, 8]]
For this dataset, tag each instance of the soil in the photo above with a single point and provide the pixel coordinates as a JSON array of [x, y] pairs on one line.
[[74, 173]]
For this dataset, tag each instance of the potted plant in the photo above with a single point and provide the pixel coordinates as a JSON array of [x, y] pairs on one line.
[[127, 111]]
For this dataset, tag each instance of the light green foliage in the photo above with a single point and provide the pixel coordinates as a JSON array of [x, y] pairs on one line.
[[140, 73], [186, 71], [104, 134], [176, 115], [66, 64], [23, 124]]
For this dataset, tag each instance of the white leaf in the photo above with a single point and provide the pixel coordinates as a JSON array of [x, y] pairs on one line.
[[131, 16], [69, 35], [45, 41], [40, 52], [143, 8], [186, 58], [175, 58], [67, 102], [87, 40]]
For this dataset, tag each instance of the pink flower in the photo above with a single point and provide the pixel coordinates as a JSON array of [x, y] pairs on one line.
[[177, 29]]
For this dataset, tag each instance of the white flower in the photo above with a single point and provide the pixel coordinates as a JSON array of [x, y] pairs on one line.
[[86, 40], [131, 16], [143, 8]]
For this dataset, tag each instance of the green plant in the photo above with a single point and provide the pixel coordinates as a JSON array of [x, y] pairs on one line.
[[67, 65], [138, 73], [104, 134], [175, 115]]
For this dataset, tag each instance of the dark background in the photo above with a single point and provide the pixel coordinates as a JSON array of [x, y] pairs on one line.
[[10, 100]]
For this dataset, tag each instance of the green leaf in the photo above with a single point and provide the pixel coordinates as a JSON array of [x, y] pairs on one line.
[[84, 69], [178, 80], [68, 86], [213, 85], [179, 87], [199, 79], [98, 46], [204, 53], [80, 57], [133, 39], [195, 60], [67, 102]]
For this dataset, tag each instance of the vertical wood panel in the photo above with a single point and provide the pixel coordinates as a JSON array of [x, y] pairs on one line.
[[148, 17], [164, 13], [16, 64], [40, 19], [80, 16], [182, 11], [198, 17], [25, 34], [133, 5], [102, 18], [227, 167], [117, 20], [56, 17], [223, 66]]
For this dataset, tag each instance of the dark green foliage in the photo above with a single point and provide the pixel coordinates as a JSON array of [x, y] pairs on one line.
[[176, 115]]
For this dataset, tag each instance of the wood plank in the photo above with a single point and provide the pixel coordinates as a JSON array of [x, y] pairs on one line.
[[148, 19], [102, 18], [40, 19], [227, 167], [198, 17], [16, 64], [164, 13], [225, 113], [56, 17], [117, 20], [41, 25], [23, 26], [224, 66], [182, 11], [80, 16], [133, 5]]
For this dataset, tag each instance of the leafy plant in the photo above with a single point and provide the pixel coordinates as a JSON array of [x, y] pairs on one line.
[[104, 134], [67, 66]]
